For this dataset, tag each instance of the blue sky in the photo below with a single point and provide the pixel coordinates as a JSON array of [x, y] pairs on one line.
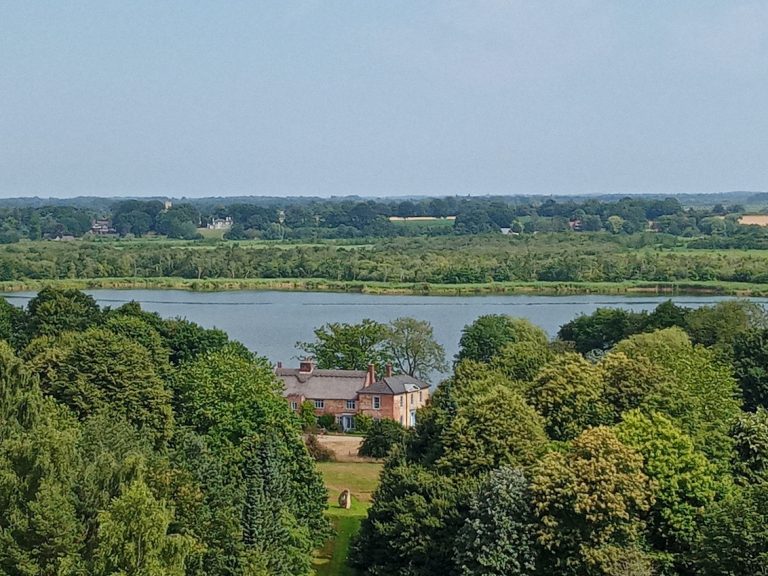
[[382, 97]]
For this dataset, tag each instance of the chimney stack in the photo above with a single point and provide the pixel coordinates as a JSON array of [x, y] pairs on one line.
[[279, 364], [371, 374], [306, 366], [389, 369]]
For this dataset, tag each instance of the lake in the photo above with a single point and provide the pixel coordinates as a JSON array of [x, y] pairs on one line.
[[270, 323]]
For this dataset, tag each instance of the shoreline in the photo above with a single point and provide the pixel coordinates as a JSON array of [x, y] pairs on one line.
[[393, 288]]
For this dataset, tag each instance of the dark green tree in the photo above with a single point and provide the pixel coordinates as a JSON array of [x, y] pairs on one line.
[[349, 346], [381, 437], [55, 310], [498, 537], [487, 335]]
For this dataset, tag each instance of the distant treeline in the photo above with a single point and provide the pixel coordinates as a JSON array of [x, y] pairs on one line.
[[445, 260], [280, 219]]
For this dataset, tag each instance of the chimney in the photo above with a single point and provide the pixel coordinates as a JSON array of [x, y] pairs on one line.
[[279, 365], [371, 374], [389, 369], [306, 366]]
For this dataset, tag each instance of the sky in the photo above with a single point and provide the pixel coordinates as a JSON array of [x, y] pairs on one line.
[[379, 98]]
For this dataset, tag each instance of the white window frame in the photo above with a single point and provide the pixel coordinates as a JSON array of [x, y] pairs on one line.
[[377, 402], [294, 405], [402, 400], [319, 404], [351, 405]]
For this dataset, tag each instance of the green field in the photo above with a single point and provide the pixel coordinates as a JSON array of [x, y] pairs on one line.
[[360, 478]]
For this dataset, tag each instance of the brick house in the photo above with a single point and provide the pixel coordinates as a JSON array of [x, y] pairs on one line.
[[347, 393]]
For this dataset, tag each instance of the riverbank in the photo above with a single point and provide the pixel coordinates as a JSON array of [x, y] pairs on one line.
[[393, 288]]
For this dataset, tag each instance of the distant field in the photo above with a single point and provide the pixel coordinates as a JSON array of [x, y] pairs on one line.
[[361, 480], [754, 219]]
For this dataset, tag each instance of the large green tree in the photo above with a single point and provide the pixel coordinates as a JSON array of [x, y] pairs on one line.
[[570, 393], [411, 345], [683, 482], [56, 310], [487, 335], [498, 535], [349, 346], [750, 365], [590, 502]]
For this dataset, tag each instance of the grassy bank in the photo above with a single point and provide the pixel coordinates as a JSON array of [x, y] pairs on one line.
[[394, 288], [361, 480]]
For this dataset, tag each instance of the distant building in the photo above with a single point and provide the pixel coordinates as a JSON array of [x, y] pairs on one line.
[[102, 227], [220, 223], [347, 393], [167, 205]]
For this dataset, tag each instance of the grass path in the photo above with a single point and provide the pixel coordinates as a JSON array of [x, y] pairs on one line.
[[361, 479]]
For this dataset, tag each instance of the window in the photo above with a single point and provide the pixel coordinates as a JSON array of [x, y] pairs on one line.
[[420, 397], [377, 402], [401, 401], [351, 404], [319, 404], [294, 405]]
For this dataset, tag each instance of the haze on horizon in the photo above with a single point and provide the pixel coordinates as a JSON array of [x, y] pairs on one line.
[[328, 98]]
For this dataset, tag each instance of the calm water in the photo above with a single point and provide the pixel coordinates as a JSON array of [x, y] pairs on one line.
[[271, 323]]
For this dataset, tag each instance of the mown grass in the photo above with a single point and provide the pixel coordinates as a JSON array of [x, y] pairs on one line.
[[361, 479]]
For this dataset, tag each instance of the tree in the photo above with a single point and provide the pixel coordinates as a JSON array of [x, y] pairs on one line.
[[40, 531], [699, 394], [348, 346], [735, 534], [133, 536], [750, 450], [188, 340], [683, 482], [569, 392], [98, 369], [720, 324], [412, 525], [487, 335], [496, 428], [54, 311], [498, 536], [629, 381], [411, 345], [602, 329], [750, 365], [589, 502], [13, 324], [138, 330], [521, 360], [381, 437]]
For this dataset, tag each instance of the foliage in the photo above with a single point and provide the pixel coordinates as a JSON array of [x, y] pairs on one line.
[[497, 428], [133, 539], [629, 381], [498, 536], [735, 534], [699, 394], [412, 525], [307, 415], [750, 364], [750, 450], [589, 500], [487, 335], [54, 311], [327, 422], [348, 346], [411, 345], [98, 369], [602, 329], [521, 360], [317, 451], [569, 392], [683, 482], [13, 324], [363, 423], [382, 435]]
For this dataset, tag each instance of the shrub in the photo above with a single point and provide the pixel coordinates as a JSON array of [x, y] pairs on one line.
[[318, 452], [327, 421], [382, 435]]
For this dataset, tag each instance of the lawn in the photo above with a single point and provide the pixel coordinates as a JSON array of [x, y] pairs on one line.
[[360, 478]]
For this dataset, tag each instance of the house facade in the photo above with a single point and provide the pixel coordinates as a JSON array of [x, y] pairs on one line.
[[347, 393]]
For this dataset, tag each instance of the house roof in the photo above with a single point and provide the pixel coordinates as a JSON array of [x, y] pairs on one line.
[[322, 384], [398, 384]]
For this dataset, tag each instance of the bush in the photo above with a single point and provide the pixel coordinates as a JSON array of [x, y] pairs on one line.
[[382, 435], [318, 452], [307, 415], [363, 423], [328, 421]]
